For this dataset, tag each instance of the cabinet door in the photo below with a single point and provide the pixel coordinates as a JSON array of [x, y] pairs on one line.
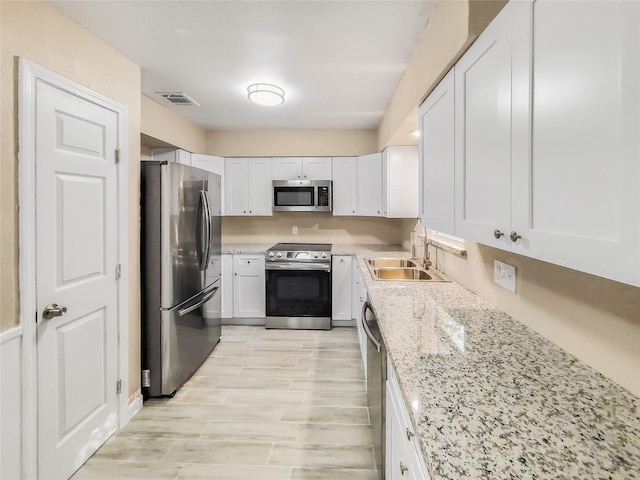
[[483, 135], [359, 295], [248, 286], [341, 287], [316, 168], [436, 166], [226, 289], [286, 168], [400, 182], [214, 164], [370, 186], [576, 199], [344, 185], [236, 195], [259, 184]]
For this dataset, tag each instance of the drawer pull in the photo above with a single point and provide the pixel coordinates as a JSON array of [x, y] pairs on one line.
[[403, 469], [410, 434]]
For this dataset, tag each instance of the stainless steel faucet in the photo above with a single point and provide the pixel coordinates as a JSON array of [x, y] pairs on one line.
[[426, 263]]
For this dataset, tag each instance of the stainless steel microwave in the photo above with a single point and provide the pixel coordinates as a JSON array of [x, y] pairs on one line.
[[302, 196]]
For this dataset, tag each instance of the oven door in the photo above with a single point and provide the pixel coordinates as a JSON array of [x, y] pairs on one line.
[[299, 291]]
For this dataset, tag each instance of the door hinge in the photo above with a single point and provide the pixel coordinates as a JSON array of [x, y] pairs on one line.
[[118, 271], [117, 155], [119, 386]]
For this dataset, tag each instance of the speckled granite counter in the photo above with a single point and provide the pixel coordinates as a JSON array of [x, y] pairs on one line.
[[488, 397], [494, 399], [249, 248]]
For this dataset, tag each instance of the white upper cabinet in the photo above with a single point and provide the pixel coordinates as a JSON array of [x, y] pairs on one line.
[[248, 186], [436, 165], [214, 164], [344, 185], [369, 192], [576, 199], [484, 124], [301, 168], [400, 182]]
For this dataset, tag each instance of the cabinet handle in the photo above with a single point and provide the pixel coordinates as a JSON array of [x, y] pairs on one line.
[[497, 233], [409, 434], [514, 237], [403, 469]]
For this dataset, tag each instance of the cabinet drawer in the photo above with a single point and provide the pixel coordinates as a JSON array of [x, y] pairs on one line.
[[248, 264]]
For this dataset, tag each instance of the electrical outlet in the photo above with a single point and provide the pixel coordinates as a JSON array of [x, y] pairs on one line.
[[504, 275], [294, 230]]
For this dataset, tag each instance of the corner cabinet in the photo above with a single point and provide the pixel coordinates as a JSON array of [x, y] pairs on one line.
[[400, 182], [370, 186], [341, 285], [437, 157], [248, 186], [404, 458]]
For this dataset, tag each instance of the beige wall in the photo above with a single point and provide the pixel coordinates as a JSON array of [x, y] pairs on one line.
[[314, 227], [453, 26], [38, 32], [159, 122], [595, 319], [268, 143]]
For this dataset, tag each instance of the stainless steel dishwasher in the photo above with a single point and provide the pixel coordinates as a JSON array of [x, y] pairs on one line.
[[376, 382]]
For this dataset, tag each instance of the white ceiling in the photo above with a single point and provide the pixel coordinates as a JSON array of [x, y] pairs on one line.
[[339, 62]]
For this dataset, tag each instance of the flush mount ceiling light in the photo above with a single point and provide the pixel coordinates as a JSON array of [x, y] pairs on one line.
[[265, 94]]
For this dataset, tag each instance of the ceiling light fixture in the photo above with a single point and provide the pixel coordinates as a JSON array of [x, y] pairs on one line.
[[265, 94]]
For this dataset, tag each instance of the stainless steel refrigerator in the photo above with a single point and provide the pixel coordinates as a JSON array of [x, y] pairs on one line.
[[181, 268]]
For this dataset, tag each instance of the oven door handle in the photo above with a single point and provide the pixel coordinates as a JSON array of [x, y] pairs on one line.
[[298, 266]]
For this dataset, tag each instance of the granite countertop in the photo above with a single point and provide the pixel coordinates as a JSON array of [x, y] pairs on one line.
[[488, 397], [494, 399]]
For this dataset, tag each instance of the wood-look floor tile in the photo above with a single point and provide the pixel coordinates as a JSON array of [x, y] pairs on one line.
[[266, 362], [336, 374], [338, 415], [275, 344], [114, 470], [167, 412], [288, 353], [234, 472], [122, 448], [201, 395], [333, 474], [239, 413], [275, 372], [318, 433], [346, 354], [322, 456], [219, 371], [253, 383], [327, 386], [213, 452], [161, 428], [251, 431], [259, 398], [336, 399], [329, 363]]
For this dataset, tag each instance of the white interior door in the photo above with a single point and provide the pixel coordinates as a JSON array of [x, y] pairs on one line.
[[76, 257]]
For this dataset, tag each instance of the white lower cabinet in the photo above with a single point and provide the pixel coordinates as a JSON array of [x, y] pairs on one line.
[[226, 289], [248, 286], [404, 459], [341, 287]]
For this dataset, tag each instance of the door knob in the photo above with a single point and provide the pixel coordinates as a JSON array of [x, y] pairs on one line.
[[53, 310], [403, 469], [514, 236]]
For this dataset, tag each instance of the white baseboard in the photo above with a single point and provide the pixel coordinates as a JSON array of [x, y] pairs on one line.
[[134, 407], [252, 321], [11, 390], [343, 323]]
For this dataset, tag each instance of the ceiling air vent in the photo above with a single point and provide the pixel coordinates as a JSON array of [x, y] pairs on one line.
[[178, 98]]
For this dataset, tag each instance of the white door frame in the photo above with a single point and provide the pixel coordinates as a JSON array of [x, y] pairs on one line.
[[29, 75]]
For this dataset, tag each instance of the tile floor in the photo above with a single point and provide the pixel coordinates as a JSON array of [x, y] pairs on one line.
[[267, 405]]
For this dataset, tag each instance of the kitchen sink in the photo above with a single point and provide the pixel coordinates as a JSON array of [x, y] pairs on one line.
[[392, 262], [403, 270]]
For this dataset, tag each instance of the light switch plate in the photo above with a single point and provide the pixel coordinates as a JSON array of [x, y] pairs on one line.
[[294, 230], [504, 275]]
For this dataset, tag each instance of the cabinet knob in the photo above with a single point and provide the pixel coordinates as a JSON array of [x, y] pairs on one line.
[[515, 237], [353, 211], [250, 211], [378, 211], [403, 469], [244, 211], [409, 434], [497, 233]]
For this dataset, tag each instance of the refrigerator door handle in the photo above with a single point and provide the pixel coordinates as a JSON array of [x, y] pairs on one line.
[[204, 300], [203, 231], [211, 289], [208, 229]]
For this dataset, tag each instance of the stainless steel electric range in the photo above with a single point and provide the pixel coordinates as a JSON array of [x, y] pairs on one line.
[[298, 286]]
